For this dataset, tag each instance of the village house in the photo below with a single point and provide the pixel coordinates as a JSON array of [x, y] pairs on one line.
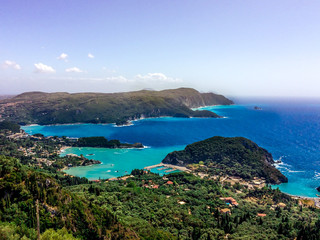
[[230, 200], [261, 215]]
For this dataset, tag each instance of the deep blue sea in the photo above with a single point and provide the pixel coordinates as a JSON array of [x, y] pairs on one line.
[[290, 130]]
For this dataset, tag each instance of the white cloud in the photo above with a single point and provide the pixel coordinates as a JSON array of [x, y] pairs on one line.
[[74, 69], [42, 68], [63, 56], [156, 77], [119, 79], [113, 79], [11, 64], [153, 78], [90, 55]]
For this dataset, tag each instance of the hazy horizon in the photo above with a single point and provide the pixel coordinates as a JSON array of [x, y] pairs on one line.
[[233, 48]]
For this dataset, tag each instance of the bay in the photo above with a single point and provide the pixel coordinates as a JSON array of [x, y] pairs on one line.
[[290, 130]]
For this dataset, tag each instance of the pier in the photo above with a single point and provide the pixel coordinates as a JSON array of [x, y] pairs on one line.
[[154, 166], [170, 167], [163, 168]]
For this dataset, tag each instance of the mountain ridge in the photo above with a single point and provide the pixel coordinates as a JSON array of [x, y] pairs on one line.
[[61, 107]]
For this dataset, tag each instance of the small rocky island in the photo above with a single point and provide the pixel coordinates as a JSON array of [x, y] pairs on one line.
[[235, 156]]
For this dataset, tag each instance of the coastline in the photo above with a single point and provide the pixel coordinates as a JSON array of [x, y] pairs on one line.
[[309, 196], [63, 148], [315, 200], [122, 125], [217, 105]]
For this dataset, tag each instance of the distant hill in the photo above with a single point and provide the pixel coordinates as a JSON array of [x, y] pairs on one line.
[[6, 96], [62, 107], [236, 156]]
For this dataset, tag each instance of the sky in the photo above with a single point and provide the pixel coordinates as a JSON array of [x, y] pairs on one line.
[[235, 48]]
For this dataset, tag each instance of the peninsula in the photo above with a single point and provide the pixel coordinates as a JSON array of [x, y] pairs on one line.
[[235, 156], [120, 108]]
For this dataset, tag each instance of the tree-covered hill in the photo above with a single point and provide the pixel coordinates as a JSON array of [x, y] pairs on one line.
[[10, 126], [51, 108], [21, 186], [236, 156]]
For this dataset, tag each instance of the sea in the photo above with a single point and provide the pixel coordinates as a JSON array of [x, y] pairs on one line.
[[287, 128]]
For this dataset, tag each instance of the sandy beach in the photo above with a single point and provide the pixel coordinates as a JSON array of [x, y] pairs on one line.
[[63, 148]]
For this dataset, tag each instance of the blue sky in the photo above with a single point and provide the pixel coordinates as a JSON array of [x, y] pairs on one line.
[[236, 48]]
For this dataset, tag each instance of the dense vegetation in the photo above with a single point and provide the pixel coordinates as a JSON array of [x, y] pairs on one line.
[[10, 126], [190, 208], [233, 156], [21, 186], [40, 151], [104, 143], [50, 108], [145, 205]]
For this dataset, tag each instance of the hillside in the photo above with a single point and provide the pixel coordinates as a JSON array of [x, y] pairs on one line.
[[142, 205], [236, 156], [192, 208], [54, 108], [21, 186]]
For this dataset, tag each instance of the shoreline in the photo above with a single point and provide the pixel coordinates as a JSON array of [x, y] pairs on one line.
[[63, 148], [315, 200], [123, 125], [197, 108], [67, 147]]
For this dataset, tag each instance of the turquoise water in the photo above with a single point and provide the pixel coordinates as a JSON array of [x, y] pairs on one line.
[[289, 130], [117, 162]]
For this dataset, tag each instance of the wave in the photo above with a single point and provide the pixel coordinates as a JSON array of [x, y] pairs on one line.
[[124, 125], [316, 175], [295, 171], [287, 169], [281, 165]]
